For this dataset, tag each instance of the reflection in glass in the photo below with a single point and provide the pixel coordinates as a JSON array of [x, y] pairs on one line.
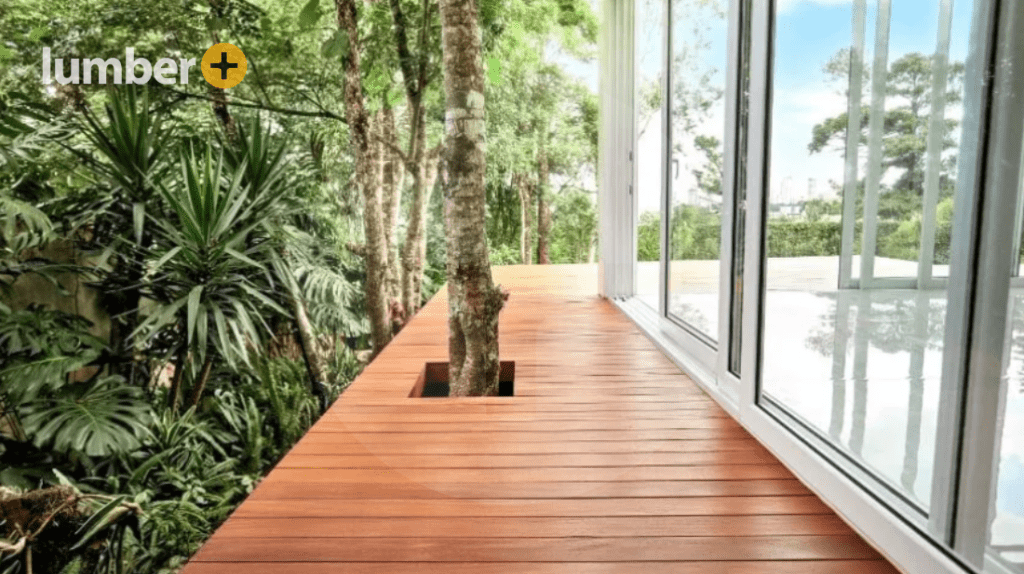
[[1006, 518], [698, 59], [650, 141], [865, 116]]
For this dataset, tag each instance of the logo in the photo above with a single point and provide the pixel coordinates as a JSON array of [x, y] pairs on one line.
[[223, 66]]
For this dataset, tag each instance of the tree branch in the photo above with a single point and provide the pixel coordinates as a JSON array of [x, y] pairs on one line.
[[356, 249], [265, 107]]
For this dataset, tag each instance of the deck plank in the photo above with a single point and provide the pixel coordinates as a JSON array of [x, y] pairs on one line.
[[608, 459]]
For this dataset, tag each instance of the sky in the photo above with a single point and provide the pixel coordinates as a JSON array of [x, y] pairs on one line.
[[808, 33]]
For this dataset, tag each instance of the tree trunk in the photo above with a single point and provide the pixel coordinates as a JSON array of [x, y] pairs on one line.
[[200, 385], [179, 370], [522, 185], [316, 363], [414, 252], [393, 180], [543, 213], [421, 163], [473, 300], [367, 178], [219, 101]]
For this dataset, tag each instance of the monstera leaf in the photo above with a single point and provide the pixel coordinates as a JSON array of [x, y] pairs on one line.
[[97, 418]]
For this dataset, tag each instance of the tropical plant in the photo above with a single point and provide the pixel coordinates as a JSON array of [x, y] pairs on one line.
[[210, 277], [46, 354]]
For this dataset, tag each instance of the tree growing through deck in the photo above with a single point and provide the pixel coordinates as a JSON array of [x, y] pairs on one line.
[[473, 300]]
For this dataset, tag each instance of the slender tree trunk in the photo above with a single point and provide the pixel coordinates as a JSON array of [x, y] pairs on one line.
[[393, 180], [316, 363], [200, 385], [543, 213], [522, 185], [218, 97], [414, 251], [367, 178], [473, 300], [179, 370], [421, 163], [219, 102]]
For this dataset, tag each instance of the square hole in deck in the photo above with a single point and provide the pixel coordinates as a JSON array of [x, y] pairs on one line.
[[433, 380]]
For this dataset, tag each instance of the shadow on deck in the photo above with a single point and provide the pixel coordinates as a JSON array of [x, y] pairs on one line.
[[608, 459]]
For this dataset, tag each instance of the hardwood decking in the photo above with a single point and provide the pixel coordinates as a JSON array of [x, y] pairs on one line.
[[608, 459]]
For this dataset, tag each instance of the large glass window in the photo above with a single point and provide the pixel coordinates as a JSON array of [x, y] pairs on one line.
[[649, 77], [874, 186], [863, 148], [1006, 515], [698, 60]]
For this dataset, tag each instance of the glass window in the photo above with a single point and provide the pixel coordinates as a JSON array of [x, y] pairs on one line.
[[698, 59], [650, 144], [1006, 515], [852, 346]]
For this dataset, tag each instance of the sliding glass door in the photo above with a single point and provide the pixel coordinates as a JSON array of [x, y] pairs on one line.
[[891, 242], [685, 62], [827, 209], [697, 82], [649, 143], [864, 132]]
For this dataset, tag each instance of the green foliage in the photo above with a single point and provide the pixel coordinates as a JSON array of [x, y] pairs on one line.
[[573, 227], [97, 419], [816, 209], [906, 119], [648, 244], [42, 349], [694, 233], [505, 254], [207, 277], [803, 238]]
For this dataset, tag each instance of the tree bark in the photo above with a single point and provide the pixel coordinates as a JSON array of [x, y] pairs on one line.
[[367, 178], [200, 385], [219, 102], [473, 300], [316, 363], [543, 213], [421, 164], [179, 370], [414, 251], [218, 97], [393, 180]]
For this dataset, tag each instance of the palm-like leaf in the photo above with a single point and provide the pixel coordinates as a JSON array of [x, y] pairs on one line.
[[26, 128], [131, 143], [38, 348], [22, 226], [211, 280]]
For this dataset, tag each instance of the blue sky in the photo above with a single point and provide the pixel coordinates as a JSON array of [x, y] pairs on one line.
[[808, 33]]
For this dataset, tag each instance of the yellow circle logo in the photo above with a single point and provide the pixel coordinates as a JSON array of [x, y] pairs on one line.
[[224, 65]]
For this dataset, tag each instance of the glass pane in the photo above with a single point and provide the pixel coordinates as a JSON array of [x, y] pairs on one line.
[[698, 60], [859, 362], [650, 143], [1006, 531]]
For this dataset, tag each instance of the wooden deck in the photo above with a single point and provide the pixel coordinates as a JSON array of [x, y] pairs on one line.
[[608, 459]]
